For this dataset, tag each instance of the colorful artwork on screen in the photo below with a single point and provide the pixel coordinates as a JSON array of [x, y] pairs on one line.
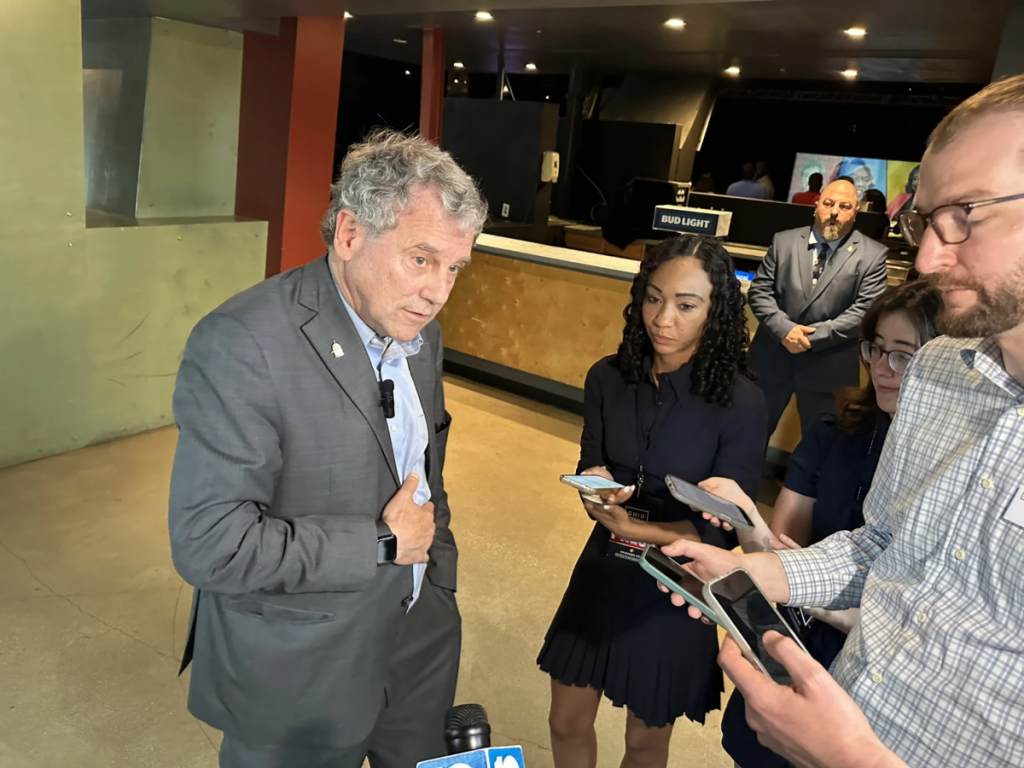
[[807, 165], [896, 179]]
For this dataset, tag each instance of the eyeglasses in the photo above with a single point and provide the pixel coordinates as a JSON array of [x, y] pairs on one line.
[[952, 223], [898, 359]]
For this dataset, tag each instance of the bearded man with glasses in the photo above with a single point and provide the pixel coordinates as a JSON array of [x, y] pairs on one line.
[[933, 673]]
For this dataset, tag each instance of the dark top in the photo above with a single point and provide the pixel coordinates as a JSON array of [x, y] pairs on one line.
[[614, 631], [835, 469], [685, 436]]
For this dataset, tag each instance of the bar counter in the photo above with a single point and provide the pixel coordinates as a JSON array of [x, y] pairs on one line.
[[534, 318]]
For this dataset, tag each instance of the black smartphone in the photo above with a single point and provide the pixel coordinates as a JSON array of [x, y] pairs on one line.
[[747, 614]]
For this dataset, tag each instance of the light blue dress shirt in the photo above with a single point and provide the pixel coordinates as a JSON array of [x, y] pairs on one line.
[[409, 436]]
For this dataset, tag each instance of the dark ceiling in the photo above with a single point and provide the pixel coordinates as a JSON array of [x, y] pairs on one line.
[[935, 41]]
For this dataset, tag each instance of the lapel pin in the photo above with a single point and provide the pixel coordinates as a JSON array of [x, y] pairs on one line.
[[336, 350], [850, 249]]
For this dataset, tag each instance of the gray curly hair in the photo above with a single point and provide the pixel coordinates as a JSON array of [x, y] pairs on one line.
[[378, 175]]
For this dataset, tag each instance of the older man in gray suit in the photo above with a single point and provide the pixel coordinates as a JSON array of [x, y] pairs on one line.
[[307, 503], [809, 297]]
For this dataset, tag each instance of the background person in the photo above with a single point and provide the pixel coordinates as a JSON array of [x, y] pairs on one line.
[[746, 186], [677, 398], [813, 193], [313, 524], [761, 177], [809, 296]]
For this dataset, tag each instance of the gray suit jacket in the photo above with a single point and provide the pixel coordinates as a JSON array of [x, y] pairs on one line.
[[783, 296], [283, 466]]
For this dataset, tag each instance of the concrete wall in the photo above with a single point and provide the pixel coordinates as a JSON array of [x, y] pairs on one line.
[[190, 131], [94, 320]]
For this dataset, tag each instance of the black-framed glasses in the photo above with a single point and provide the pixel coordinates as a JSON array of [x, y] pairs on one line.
[[952, 223], [898, 359]]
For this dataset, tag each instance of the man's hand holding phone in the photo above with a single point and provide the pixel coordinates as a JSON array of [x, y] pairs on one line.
[[710, 562], [814, 722]]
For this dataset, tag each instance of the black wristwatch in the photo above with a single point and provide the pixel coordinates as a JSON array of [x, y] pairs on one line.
[[387, 544]]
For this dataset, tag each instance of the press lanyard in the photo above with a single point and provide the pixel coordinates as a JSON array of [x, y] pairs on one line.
[[644, 439]]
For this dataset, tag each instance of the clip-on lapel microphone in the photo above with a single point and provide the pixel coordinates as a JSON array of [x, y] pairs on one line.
[[387, 397]]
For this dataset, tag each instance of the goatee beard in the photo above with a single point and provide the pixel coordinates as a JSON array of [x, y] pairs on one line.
[[830, 230]]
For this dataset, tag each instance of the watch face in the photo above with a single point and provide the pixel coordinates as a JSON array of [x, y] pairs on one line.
[[387, 549]]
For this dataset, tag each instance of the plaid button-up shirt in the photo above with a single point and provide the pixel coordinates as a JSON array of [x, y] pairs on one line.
[[937, 660]]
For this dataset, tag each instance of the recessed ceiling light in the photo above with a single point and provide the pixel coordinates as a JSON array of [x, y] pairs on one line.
[[547, 98], [349, 15], [483, 16], [459, 65], [675, 23], [456, 81], [856, 31], [851, 73], [408, 72], [400, 41], [732, 71], [531, 66]]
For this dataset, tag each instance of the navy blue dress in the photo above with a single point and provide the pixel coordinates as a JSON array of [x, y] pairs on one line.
[[614, 630], [835, 469]]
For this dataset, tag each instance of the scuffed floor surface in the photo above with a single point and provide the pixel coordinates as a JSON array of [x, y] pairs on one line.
[[93, 615]]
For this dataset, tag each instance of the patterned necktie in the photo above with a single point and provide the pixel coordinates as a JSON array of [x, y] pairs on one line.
[[820, 258]]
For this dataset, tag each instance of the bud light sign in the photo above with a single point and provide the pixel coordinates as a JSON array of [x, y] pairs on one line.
[[676, 218]]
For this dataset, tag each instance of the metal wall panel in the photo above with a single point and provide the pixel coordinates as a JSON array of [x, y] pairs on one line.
[[190, 129]]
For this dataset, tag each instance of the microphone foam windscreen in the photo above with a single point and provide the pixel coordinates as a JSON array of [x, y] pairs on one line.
[[465, 715]]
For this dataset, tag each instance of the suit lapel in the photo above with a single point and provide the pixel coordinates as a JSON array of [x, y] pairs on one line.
[[804, 265], [835, 263], [331, 325]]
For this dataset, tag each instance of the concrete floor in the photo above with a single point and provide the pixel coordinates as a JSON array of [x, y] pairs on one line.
[[93, 615]]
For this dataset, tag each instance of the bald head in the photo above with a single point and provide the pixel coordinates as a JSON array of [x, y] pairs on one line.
[[841, 188], [836, 210]]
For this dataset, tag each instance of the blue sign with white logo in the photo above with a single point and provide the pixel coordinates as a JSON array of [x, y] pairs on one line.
[[505, 757], [495, 757], [477, 759], [676, 218]]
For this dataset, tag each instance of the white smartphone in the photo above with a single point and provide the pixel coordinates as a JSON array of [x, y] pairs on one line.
[[690, 494], [747, 614], [592, 484], [675, 577]]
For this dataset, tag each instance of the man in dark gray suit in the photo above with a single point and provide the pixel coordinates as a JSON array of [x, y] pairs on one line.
[[307, 503], [809, 296]]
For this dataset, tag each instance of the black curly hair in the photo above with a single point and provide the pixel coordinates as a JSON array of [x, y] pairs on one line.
[[722, 352]]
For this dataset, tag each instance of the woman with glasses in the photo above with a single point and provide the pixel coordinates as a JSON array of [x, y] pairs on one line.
[[830, 472]]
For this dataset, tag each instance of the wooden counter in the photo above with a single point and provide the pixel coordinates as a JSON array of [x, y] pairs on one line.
[[538, 317]]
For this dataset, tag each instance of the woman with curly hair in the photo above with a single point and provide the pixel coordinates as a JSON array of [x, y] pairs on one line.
[[676, 399]]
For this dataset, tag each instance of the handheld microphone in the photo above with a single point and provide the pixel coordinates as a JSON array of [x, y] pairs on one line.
[[467, 738], [466, 728], [387, 402]]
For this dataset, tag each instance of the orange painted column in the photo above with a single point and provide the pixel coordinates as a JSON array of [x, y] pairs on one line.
[[287, 132], [432, 84]]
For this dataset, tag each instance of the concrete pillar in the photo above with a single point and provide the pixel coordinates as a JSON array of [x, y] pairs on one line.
[[432, 89], [289, 115]]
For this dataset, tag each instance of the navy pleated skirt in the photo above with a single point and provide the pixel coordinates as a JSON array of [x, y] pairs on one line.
[[615, 631]]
